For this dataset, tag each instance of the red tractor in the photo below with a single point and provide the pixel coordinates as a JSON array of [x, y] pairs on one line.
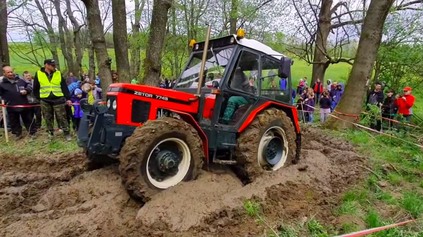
[[231, 105]]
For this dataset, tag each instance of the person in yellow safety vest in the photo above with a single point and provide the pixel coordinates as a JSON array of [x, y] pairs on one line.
[[51, 89]]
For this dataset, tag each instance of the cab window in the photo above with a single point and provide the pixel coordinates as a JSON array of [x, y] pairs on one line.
[[273, 86]]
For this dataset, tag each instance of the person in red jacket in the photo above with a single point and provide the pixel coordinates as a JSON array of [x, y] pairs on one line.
[[318, 90], [405, 103]]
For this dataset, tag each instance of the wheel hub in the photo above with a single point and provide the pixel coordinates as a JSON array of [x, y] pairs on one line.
[[164, 163], [167, 160], [273, 150]]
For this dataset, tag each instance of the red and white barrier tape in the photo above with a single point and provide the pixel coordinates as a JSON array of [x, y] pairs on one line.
[[374, 230], [373, 130], [20, 106], [32, 105], [357, 117]]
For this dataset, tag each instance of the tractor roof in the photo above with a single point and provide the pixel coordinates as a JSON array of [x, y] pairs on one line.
[[233, 39], [256, 45]]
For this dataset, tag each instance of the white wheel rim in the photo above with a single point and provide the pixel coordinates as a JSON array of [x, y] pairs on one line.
[[271, 133], [183, 167]]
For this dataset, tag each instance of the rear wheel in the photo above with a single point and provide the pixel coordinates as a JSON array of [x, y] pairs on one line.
[[159, 155], [268, 144]]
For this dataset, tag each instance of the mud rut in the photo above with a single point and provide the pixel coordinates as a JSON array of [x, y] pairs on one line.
[[57, 196]]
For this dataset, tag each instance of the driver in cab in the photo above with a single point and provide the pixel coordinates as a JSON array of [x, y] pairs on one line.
[[238, 82]]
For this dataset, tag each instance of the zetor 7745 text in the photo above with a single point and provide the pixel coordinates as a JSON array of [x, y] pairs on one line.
[[231, 105]]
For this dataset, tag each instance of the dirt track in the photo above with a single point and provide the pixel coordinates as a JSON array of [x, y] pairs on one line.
[[57, 196]]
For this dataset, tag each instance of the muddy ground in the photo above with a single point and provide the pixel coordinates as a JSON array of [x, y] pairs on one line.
[[58, 196]]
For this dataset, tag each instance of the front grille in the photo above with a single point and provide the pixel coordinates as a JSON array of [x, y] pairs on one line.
[[140, 111]]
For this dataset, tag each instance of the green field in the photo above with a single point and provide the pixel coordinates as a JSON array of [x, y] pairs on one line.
[[336, 72]]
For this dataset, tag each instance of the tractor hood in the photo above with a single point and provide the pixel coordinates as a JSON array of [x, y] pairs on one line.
[[152, 92]]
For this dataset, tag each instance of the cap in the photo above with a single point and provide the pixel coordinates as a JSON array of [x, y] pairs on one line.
[[407, 88], [78, 91], [50, 62]]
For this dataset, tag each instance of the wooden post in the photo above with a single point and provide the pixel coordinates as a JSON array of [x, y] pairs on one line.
[[3, 109], [203, 61]]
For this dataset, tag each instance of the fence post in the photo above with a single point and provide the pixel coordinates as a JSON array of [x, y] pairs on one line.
[[3, 108]]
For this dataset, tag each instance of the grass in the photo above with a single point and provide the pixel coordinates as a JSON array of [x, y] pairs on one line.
[[413, 203], [20, 65], [336, 72], [39, 145], [396, 166]]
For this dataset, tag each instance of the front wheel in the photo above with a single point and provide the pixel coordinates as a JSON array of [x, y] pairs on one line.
[[160, 154], [268, 144]]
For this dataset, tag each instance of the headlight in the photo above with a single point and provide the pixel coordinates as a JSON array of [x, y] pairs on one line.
[[108, 103], [114, 105]]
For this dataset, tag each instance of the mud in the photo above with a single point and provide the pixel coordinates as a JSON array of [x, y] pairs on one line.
[[58, 196]]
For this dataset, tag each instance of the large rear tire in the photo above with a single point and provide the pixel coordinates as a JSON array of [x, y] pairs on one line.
[[268, 144], [159, 155]]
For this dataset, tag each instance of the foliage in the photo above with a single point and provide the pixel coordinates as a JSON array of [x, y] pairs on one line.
[[399, 62]]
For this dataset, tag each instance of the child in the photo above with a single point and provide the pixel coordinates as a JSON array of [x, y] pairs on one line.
[[76, 108], [309, 104], [325, 104]]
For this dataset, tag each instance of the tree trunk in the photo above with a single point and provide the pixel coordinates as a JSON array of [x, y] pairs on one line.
[[355, 91], [319, 60], [99, 43], [77, 42], [135, 40], [91, 62], [51, 35], [152, 63], [175, 49], [65, 43], [120, 40], [4, 47], [233, 18]]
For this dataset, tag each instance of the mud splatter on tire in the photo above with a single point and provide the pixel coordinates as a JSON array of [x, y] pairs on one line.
[[248, 142], [137, 148]]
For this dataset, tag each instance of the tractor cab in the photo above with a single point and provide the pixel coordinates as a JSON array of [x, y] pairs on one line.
[[235, 66]]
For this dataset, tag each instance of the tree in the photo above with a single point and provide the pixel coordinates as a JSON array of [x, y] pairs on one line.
[[77, 41], [4, 47], [95, 27], [400, 61], [54, 42], [370, 39], [120, 39], [66, 40], [233, 18], [135, 44], [152, 64], [317, 22]]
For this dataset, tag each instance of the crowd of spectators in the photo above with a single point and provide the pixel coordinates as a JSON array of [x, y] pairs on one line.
[[46, 96], [391, 105]]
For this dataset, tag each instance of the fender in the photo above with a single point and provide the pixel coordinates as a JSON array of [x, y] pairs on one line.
[[189, 119], [267, 104]]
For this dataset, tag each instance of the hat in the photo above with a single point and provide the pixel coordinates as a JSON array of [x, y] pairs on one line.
[[50, 62], [407, 88], [78, 91]]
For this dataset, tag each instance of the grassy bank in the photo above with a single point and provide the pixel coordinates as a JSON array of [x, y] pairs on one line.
[[391, 193]]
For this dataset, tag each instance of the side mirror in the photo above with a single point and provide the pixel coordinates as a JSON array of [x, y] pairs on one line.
[[284, 70], [215, 84]]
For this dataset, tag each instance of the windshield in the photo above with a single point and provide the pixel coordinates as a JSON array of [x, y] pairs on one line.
[[217, 59]]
